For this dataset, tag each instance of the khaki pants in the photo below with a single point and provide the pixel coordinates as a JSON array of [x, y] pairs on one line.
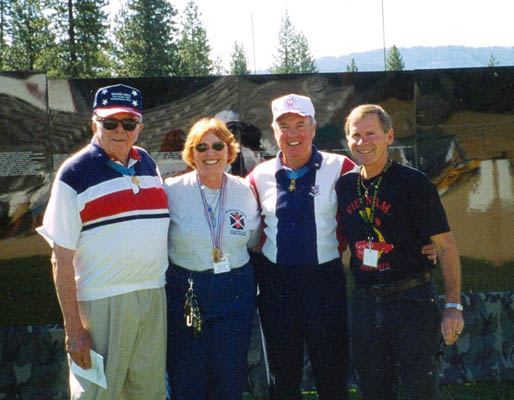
[[129, 331]]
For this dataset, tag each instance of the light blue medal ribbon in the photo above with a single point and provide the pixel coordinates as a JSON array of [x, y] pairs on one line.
[[216, 232], [294, 175], [131, 171], [128, 171]]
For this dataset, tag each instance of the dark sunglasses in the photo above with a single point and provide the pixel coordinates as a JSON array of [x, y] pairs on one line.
[[128, 124], [202, 147]]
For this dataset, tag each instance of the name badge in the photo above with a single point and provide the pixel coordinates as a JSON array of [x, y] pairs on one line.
[[221, 266], [370, 258]]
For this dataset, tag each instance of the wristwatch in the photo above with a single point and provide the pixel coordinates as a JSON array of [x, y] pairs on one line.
[[457, 306]]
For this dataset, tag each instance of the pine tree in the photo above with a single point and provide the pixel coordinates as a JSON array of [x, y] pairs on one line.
[[238, 63], [146, 37], [394, 60], [283, 58], [31, 38], [302, 55], [217, 66], [83, 45], [293, 54], [352, 67], [193, 46], [90, 38], [4, 30]]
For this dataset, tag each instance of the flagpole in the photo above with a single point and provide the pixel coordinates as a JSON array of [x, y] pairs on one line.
[[384, 36], [253, 44]]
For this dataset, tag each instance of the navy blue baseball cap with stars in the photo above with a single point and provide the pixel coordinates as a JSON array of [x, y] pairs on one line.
[[117, 99]]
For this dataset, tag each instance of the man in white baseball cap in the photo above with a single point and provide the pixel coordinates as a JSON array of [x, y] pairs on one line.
[[301, 278], [292, 103]]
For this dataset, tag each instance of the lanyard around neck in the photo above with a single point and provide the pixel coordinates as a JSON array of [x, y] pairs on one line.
[[370, 220], [216, 232]]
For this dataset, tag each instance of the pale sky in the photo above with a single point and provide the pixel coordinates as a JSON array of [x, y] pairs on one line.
[[341, 27]]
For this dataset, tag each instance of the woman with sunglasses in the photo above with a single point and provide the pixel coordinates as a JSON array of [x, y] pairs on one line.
[[210, 282]]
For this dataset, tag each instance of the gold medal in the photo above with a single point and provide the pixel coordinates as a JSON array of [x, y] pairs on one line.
[[135, 181], [216, 254], [292, 185]]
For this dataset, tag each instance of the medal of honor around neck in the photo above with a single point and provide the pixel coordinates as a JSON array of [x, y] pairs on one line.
[[294, 175]]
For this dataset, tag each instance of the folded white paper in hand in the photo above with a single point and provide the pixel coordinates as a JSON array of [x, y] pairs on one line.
[[94, 374]]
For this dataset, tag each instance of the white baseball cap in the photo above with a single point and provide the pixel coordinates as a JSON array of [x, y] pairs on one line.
[[292, 103]]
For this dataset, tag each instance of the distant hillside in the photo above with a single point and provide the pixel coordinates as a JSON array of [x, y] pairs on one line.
[[422, 58]]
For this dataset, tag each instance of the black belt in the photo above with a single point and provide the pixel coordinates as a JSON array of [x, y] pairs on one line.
[[397, 287], [209, 271], [186, 271]]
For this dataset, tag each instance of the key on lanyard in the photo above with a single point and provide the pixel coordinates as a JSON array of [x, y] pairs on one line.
[[192, 314]]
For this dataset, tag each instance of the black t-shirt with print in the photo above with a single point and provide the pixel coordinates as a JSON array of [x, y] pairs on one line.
[[407, 212]]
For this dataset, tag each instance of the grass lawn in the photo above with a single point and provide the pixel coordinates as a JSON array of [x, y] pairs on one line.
[[28, 291], [464, 391], [26, 285], [479, 391], [477, 276], [481, 276]]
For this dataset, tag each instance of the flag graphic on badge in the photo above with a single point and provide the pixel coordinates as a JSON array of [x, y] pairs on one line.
[[237, 220], [314, 191]]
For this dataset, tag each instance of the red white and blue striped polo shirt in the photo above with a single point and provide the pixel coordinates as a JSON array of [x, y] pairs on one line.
[[300, 225], [116, 225]]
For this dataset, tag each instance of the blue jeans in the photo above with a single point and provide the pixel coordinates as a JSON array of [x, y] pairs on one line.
[[396, 337], [305, 304], [214, 364]]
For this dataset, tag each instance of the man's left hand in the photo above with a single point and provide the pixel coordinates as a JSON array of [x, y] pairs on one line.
[[430, 250], [451, 325]]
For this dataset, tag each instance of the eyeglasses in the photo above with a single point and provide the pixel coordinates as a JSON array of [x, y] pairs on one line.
[[202, 147], [128, 124]]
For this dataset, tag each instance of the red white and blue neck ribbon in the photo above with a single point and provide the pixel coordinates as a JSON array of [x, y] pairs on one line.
[[216, 232]]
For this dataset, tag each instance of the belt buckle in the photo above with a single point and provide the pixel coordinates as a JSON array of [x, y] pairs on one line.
[[377, 290]]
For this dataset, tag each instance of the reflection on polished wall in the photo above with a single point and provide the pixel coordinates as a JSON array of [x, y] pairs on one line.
[[481, 211], [25, 169], [473, 109], [456, 125]]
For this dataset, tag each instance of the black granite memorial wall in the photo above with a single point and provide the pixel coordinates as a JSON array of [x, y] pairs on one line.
[[457, 125]]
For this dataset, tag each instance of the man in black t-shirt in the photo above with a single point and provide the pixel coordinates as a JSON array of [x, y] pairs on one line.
[[388, 212]]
